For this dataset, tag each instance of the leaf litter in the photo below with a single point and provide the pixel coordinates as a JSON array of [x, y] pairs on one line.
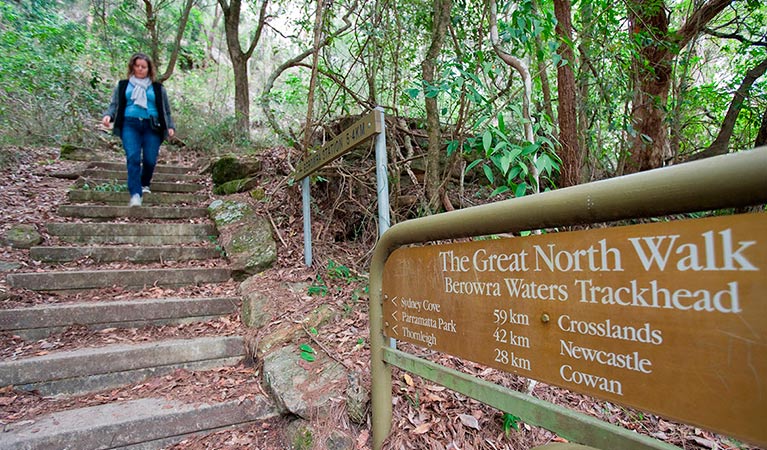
[[425, 415]]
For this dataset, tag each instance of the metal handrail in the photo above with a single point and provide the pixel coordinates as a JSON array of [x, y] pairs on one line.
[[733, 180]]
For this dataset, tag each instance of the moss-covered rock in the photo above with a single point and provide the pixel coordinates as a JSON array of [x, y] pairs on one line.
[[231, 168], [245, 237], [235, 186], [22, 236]]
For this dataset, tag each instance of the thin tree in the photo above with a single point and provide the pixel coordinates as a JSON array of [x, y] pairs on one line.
[[440, 20], [232, 11], [721, 144], [521, 67]]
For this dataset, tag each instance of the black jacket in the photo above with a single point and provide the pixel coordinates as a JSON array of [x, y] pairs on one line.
[[119, 101]]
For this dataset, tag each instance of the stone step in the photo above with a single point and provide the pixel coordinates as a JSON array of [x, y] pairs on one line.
[[159, 168], [178, 187], [143, 254], [98, 368], [146, 424], [122, 175], [95, 279], [38, 322], [133, 233], [112, 212], [86, 196]]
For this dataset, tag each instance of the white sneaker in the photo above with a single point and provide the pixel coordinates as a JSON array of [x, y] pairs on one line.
[[135, 200], [145, 190]]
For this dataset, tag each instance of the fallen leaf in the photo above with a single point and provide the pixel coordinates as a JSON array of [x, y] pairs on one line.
[[469, 421], [422, 428], [362, 439], [409, 380]]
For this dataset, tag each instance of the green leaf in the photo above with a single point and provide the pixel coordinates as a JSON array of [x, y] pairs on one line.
[[307, 348], [489, 174], [520, 190], [313, 331], [500, 190], [487, 141], [451, 147], [308, 357], [413, 93], [473, 165]]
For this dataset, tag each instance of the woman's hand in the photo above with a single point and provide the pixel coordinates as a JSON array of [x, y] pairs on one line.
[[171, 132], [105, 121]]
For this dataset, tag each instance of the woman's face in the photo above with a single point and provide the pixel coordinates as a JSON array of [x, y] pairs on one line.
[[140, 68]]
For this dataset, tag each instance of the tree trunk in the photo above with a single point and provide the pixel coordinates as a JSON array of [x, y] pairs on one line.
[[721, 144], [313, 79], [240, 58], [542, 72], [177, 42], [520, 66], [571, 155], [583, 109], [652, 80], [440, 21], [652, 71], [761, 136]]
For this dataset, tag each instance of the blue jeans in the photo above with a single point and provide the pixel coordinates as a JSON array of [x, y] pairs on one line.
[[142, 145]]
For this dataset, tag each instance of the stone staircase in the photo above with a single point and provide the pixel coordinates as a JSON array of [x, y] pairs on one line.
[[171, 226]]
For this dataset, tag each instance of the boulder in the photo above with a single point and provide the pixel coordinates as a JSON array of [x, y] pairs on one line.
[[235, 186], [245, 236], [22, 236], [303, 388], [231, 168]]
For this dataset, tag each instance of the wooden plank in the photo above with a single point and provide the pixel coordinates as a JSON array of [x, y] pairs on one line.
[[367, 126]]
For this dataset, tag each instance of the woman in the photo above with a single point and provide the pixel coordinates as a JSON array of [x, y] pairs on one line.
[[142, 119]]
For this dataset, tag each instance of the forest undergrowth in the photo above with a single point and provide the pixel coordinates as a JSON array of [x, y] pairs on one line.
[[426, 415]]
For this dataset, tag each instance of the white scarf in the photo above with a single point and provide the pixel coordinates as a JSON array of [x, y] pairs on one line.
[[140, 86]]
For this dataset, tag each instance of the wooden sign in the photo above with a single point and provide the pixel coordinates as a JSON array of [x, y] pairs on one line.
[[361, 130], [665, 317]]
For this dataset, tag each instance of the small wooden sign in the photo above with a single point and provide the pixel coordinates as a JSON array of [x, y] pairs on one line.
[[350, 137], [666, 317]]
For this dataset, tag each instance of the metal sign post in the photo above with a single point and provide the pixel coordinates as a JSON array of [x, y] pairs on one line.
[[367, 126]]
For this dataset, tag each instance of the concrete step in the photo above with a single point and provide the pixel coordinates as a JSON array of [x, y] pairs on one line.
[[159, 168], [38, 322], [112, 212], [143, 254], [121, 198], [122, 175], [94, 369], [146, 424], [94, 279], [178, 187], [133, 233]]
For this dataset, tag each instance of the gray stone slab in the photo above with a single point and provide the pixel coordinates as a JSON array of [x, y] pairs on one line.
[[145, 424], [131, 229], [121, 175], [39, 321], [90, 362], [159, 168], [176, 187], [86, 196], [92, 279], [111, 212], [121, 253]]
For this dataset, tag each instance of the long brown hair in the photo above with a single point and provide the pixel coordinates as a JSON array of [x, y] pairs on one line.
[[149, 63]]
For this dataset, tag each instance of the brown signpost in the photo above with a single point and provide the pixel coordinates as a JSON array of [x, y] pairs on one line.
[[666, 317], [361, 130]]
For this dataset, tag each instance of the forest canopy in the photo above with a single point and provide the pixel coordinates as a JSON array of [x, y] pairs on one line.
[[525, 95]]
